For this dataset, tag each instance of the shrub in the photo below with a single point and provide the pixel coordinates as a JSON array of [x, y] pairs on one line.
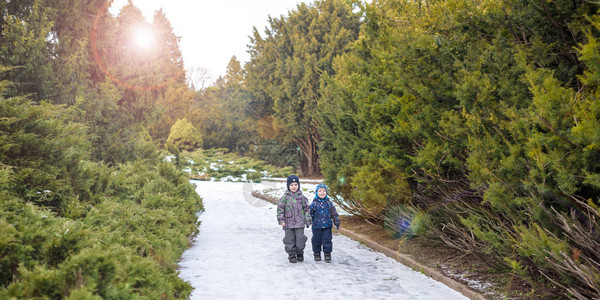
[[184, 136], [44, 151], [371, 189], [124, 246]]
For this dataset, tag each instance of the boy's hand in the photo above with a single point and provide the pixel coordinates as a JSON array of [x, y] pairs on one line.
[[282, 224]]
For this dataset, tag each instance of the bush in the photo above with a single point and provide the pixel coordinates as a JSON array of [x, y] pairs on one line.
[[44, 150], [124, 246], [184, 136], [499, 135], [371, 189]]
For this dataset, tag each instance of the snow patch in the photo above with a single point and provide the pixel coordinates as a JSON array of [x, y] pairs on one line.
[[472, 283]]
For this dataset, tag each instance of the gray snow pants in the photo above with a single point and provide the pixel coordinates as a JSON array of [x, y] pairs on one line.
[[294, 240]]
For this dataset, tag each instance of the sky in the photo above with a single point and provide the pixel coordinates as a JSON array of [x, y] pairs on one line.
[[212, 31]]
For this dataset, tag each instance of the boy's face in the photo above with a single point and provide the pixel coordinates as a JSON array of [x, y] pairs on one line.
[[322, 192], [294, 187]]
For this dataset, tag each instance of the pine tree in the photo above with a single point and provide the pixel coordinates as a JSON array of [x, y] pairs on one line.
[[25, 43], [287, 65]]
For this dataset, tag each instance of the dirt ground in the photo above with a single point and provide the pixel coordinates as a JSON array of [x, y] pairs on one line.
[[468, 269]]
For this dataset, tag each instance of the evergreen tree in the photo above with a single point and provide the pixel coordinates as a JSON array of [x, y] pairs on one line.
[[287, 64], [25, 43], [175, 101], [70, 225], [478, 106], [44, 150], [73, 60]]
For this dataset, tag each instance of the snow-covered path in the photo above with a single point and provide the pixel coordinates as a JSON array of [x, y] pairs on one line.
[[239, 254]]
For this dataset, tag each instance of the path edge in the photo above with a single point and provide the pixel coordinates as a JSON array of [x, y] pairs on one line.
[[399, 257], [413, 264]]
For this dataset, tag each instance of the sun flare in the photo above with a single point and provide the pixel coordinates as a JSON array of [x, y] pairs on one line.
[[143, 38]]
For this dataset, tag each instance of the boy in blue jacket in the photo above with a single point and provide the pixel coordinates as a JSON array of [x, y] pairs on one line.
[[324, 216]]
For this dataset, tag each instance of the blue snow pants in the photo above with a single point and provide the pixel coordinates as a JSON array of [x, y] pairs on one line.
[[322, 237]]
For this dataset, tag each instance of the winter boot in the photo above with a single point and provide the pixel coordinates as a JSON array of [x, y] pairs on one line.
[[292, 258], [327, 257], [318, 256], [300, 257]]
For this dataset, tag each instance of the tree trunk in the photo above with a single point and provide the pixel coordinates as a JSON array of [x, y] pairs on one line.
[[303, 163], [309, 162]]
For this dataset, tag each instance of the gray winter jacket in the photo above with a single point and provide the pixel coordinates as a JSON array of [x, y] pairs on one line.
[[293, 209]]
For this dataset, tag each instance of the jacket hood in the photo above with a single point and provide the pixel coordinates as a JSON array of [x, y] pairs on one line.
[[320, 185]]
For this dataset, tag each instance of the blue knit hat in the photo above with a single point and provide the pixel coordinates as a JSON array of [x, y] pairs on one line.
[[293, 178], [320, 185]]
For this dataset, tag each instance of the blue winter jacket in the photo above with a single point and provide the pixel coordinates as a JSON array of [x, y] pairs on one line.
[[323, 213]]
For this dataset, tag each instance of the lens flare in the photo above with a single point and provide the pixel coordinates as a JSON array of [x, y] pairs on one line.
[[143, 38]]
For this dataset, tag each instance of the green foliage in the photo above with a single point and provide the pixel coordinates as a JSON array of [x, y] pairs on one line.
[[176, 103], [377, 188], [26, 38], [225, 116], [184, 136], [89, 209], [477, 121], [536, 243], [488, 111], [287, 65], [43, 150], [10, 251], [516, 267], [127, 244]]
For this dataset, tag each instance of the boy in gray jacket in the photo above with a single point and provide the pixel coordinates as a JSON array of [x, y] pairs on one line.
[[293, 213]]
